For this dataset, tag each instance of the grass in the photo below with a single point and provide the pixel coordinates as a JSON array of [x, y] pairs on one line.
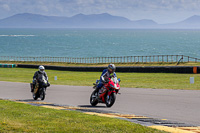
[[132, 80], [18, 117], [161, 81]]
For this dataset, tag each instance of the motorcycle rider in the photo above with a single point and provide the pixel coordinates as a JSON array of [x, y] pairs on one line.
[[106, 74], [38, 76]]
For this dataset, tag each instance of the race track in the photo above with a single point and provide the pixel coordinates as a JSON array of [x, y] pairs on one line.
[[174, 105]]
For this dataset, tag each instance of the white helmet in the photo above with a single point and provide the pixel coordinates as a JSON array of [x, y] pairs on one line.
[[41, 69], [111, 68]]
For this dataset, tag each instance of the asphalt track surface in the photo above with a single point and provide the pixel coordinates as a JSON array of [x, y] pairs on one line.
[[173, 105]]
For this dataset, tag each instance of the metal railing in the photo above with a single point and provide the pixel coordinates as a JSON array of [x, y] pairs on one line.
[[89, 60]]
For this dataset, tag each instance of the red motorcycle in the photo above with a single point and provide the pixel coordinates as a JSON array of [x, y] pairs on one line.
[[107, 94]]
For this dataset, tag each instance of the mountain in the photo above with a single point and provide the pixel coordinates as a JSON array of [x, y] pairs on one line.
[[193, 19], [27, 20], [192, 22], [104, 20], [99, 21]]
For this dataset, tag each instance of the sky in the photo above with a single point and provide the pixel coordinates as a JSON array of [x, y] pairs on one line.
[[161, 11]]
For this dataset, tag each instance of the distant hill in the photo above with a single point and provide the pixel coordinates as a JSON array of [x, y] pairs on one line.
[[192, 22], [97, 21], [27, 20], [104, 20]]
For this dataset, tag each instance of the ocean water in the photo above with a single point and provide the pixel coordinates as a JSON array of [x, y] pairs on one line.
[[98, 42]]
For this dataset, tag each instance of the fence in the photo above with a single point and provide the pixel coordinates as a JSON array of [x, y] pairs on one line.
[[123, 59]]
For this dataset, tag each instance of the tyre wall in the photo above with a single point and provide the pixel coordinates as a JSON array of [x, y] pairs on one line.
[[139, 69], [7, 65]]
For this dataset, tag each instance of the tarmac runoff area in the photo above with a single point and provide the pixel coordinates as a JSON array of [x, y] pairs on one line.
[[175, 111]]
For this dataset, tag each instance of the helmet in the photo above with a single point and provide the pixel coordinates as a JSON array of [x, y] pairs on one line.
[[41, 69], [111, 68]]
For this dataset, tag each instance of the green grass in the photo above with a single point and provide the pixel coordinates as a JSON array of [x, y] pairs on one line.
[[136, 80], [18, 117], [160, 80]]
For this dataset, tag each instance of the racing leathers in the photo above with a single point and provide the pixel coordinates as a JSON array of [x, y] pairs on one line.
[[106, 74], [39, 77]]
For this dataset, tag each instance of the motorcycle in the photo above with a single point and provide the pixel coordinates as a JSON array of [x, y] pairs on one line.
[[39, 91], [107, 94]]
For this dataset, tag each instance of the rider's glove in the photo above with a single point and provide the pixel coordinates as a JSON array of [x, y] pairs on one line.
[[106, 80], [48, 84]]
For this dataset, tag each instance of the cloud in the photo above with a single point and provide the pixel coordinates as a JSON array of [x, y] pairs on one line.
[[100, 5], [6, 7]]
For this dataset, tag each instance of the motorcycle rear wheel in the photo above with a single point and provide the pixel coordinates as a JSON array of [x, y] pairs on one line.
[[110, 100], [93, 98]]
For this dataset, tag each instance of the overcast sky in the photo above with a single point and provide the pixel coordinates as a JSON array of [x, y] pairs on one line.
[[161, 11]]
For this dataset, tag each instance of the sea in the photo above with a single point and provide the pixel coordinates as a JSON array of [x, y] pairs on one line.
[[98, 42]]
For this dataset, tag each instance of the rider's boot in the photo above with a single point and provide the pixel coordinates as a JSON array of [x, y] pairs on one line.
[[32, 87]]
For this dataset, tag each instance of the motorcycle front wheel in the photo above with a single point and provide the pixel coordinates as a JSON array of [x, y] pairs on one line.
[[93, 98], [35, 97], [42, 94], [110, 100]]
